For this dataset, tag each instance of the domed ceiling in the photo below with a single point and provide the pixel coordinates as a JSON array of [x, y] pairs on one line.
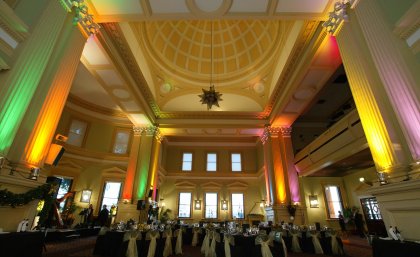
[[267, 58], [236, 56]]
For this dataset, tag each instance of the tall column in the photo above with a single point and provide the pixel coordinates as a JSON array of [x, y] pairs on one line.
[[268, 167], [142, 178], [274, 165], [154, 163], [386, 140], [48, 102], [23, 78], [127, 195], [288, 163], [397, 68]]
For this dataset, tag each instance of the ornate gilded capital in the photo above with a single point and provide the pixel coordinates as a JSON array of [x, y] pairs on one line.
[[286, 131], [81, 15], [149, 131]]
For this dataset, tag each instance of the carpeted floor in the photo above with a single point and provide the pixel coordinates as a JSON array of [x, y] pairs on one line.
[[83, 247]]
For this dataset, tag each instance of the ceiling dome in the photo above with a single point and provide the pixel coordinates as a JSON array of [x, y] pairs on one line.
[[185, 48]]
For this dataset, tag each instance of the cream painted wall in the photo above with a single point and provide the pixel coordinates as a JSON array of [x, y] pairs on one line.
[[169, 191], [172, 160], [314, 186]]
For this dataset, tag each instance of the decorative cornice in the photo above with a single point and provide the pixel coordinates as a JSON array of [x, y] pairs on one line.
[[81, 15], [95, 108], [117, 38]]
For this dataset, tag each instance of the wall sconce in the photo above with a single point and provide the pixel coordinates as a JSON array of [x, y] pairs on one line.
[[162, 202], [362, 180], [197, 205], [224, 205], [313, 201], [85, 197], [34, 173]]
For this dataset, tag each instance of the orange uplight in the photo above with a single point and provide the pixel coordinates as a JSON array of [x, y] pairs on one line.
[[278, 172]]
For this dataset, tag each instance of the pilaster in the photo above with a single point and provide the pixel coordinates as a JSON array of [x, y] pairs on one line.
[[386, 141], [23, 78]]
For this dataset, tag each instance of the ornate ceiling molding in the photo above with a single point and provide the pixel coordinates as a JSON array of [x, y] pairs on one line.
[[95, 108]]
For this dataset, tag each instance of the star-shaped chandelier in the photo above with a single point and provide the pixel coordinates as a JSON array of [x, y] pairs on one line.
[[210, 97]]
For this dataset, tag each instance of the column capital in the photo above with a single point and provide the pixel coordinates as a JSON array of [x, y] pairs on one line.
[[286, 131], [149, 131], [82, 16], [270, 132]]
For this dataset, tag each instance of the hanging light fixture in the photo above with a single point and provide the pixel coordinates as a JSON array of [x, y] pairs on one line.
[[210, 97]]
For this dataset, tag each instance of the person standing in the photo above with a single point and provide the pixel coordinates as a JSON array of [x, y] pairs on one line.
[[342, 222], [103, 216], [358, 221]]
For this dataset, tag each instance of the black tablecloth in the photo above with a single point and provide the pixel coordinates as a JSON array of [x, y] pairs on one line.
[[21, 244], [394, 248]]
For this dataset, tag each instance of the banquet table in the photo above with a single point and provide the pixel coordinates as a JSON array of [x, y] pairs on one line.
[[111, 244], [393, 248], [18, 244]]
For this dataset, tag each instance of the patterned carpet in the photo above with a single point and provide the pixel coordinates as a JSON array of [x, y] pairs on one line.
[[83, 247]]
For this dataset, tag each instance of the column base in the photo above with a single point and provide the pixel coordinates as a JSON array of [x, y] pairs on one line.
[[279, 213], [126, 212]]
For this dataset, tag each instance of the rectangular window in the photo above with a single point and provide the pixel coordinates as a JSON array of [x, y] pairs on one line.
[[187, 161], [210, 208], [211, 162], [236, 162], [122, 138], [77, 133], [238, 206], [334, 202], [64, 188], [184, 206], [111, 194]]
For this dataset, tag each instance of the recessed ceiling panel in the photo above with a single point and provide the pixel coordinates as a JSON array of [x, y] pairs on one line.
[[249, 6], [301, 6], [168, 6], [93, 54], [110, 77], [86, 87], [112, 7]]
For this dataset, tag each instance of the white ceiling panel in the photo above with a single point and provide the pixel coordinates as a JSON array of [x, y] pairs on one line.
[[250, 6], [302, 6], [110, 77], [112, 7], [130, 106], [93, 53], [86, 87], [169, 6]]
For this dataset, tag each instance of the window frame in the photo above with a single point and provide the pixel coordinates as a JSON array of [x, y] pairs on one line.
[[82, 144], [182, 160], [342, 203], [114, 140], [101, 195], [205, 205], [231, 204], [178, 204], [207, 161], [240, 162]]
